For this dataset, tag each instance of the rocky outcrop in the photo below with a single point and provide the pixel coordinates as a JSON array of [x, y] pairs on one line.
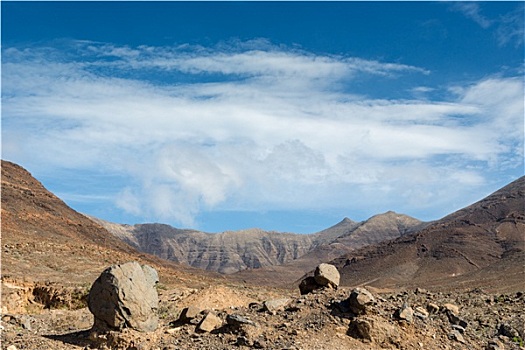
[[124, 296]]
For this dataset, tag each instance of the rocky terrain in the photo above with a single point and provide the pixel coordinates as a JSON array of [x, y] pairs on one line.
[[241, 319], [233, 251], [52, 255]]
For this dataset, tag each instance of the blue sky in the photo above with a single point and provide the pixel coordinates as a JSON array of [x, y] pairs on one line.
[[286, 116]]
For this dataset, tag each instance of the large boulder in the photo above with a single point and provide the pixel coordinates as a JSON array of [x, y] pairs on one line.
[[124, 296], [326, 275]]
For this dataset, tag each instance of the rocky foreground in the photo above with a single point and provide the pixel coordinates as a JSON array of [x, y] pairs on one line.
[[230, 317]]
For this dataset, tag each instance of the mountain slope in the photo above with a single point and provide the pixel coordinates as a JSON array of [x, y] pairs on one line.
[[463, 248], [44, 241]]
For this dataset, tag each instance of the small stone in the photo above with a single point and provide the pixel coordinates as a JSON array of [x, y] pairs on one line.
[[432, 308], [405, 313], [359, 300], [275, 305], [209, 323], [11, 347], [238, 320], [189, 313], [451, 308], [456, 335], [420, 312]]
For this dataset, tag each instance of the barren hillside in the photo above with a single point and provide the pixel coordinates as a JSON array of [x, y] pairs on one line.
[[481, 245]]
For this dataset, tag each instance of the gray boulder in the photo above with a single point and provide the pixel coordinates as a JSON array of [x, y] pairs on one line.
[[327, 275], [124, 296]]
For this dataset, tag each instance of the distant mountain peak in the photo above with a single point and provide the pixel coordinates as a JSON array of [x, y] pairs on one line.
[[346, 220]]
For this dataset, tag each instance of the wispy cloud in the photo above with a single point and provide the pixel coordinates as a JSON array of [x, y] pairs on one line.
[[251, 126], [472, 10], [509, 28]]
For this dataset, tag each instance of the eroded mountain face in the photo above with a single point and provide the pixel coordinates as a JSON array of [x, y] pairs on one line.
[[234, 251]]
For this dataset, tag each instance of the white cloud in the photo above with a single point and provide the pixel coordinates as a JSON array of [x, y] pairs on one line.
[[472, 11], [251, 129]]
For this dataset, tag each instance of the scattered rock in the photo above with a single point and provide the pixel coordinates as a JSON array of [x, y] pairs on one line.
[[275, 305], [189, 313], [420, 312], [359, 300], [209, 323], [238, 320], [124, 296], [405, 313], [326, 275], [495, 344], [456, 335], [451, 309], [432, 308]]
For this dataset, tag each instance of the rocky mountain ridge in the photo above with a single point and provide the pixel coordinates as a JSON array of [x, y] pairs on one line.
[[233, 251]]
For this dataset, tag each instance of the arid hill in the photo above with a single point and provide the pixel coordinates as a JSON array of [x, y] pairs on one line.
[[481, 245], [45, 242]]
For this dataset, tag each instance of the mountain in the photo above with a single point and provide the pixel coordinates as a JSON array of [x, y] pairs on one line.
[[232, 251], [480, 245], [339, 239], [45, 242]]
